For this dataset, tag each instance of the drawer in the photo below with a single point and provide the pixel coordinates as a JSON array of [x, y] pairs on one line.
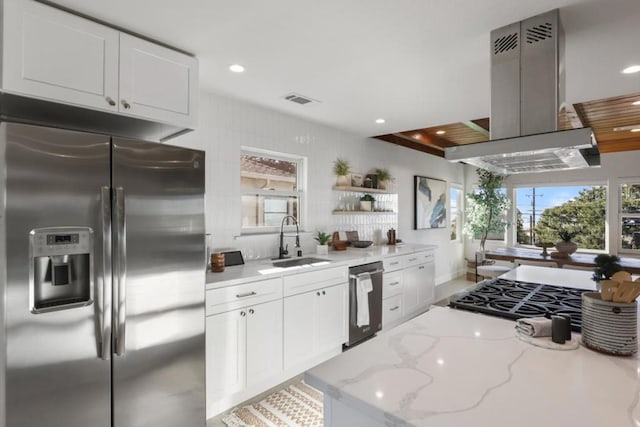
[[234, 297], [426, 256], [393, 263], [391, 284], [299, 283], [414, 259], [391, 310]]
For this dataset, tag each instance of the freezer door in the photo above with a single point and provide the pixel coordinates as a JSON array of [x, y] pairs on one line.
[[55, 372], [159, 280]]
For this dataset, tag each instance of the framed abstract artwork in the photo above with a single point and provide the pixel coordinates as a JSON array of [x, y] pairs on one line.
[[430, 203]]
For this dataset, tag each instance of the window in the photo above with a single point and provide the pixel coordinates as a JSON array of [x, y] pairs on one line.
[[271, 189], [455, 208], [541, 212], [629, 194]]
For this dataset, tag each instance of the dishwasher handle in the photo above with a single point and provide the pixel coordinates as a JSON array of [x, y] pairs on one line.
[[357, 276]]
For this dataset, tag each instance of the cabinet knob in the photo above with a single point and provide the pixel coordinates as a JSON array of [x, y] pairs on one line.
[[318, 293], [125, 104], [251, 311], [242, 313], [110, 101], [324, 293]]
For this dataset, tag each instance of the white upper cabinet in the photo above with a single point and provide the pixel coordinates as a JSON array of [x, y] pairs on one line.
[[51, 54], [157, 83], [55, 55]]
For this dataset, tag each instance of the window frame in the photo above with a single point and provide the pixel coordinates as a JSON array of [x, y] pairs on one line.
[[514, 203], [460, 205], [300, 192], [621, 214]]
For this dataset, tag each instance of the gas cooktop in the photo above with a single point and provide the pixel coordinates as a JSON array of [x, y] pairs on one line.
[[513, 300]]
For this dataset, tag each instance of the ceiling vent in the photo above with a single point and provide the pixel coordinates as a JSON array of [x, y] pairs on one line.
[[299, 99]]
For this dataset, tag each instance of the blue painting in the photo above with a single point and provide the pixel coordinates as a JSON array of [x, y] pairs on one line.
[[430, 203]]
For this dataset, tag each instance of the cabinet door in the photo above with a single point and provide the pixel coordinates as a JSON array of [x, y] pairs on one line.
[[51, 54], [410, 289], [157, 83], [331, 317], [226, 353], [300, 328], [426, 284], [391, 284], [391, 310], [264, 341]]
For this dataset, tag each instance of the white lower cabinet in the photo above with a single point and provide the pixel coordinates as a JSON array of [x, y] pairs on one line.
[[315, 323], [243, 348], [408, 286]]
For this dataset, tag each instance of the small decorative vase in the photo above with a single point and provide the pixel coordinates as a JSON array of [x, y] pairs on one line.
[[382, 185], [365, 205], [342, 181], [566, 247], [322, 249]]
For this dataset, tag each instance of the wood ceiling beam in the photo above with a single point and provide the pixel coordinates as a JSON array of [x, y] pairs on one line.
[[616, 146], [425, 138], [410, 143]]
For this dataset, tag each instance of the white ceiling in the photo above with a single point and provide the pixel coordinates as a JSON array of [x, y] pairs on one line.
[[416, 63]]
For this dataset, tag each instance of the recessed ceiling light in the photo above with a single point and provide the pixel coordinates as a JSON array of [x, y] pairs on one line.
[[236, 68], [380, 121], [635, 130], [417, 136], [632, 69], [441, 132], [635, 103]]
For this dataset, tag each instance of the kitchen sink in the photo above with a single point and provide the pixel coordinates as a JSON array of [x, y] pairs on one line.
[[298, 261]]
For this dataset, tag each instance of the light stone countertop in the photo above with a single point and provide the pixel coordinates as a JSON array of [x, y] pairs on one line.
[[452, 368], [264, 269]]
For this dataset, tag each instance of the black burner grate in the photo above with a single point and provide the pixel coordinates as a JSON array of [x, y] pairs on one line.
[[513, 300]]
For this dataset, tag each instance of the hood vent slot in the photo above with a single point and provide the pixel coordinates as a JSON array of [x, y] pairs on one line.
[[539, 33], [505, 43]]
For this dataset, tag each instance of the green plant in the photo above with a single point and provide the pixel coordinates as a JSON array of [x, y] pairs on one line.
[[341, 167], [566, 235], [322, 238], [486, 208], [383, 174], [607, 266], [367, 198]]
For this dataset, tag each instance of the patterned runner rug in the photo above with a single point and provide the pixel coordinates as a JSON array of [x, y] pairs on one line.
[[298, 405]]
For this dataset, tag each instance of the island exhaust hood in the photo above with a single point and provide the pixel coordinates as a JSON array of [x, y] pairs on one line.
[[527, 101]]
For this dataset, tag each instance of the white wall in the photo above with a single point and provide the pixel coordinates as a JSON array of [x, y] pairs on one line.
[[226, 124]]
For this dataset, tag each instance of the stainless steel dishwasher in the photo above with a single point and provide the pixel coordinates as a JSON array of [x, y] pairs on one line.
[[359, 333]]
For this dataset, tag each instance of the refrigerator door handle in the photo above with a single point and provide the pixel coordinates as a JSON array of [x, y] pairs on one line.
[[120, 273], [105, 296]]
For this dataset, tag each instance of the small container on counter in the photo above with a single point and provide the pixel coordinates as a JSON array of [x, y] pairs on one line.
[[217, 262]]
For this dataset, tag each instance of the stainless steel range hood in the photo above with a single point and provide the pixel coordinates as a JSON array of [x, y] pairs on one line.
[[527, 100]]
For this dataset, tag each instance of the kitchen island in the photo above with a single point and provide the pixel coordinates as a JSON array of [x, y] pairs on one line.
[[450, 368]]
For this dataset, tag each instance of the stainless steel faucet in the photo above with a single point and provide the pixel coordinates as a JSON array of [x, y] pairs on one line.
[[282, 250]]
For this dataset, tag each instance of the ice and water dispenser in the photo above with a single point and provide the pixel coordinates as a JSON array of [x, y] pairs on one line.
[[60, 268]]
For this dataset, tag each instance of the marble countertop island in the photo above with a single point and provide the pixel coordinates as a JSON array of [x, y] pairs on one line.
[[451, 368]]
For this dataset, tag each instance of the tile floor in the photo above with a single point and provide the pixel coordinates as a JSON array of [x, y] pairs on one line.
[[443, 293]]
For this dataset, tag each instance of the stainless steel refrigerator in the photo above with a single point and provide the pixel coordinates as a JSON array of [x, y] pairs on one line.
[[102, 276]]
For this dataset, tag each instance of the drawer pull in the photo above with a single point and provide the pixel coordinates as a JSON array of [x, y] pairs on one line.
[[394, 308], [421, 267], [413, 259], [246, 294], [394, 263], [394, 283]]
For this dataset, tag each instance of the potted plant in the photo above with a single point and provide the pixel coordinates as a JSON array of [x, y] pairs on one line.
[[606, 266], [383, 178], [341, 169], [323, 239], [486, 208], [565, 245], [366, 202]]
